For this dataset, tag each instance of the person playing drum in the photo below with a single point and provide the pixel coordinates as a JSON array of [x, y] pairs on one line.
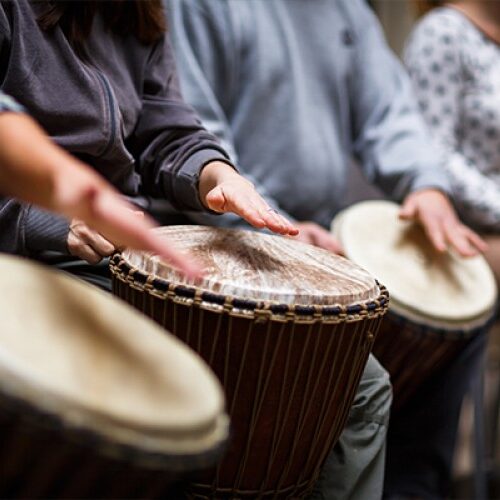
[[295, 91], [453, 56], [107, 92]]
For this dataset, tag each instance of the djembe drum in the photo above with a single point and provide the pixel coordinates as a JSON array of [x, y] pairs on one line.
[[438, 301], [286, 327], [95, 400]]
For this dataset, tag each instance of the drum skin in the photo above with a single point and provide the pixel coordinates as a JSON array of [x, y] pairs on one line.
[[67, 428], [439, 301], [290, 371]]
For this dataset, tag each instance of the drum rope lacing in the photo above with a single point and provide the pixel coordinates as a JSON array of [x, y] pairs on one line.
[[261, 311]]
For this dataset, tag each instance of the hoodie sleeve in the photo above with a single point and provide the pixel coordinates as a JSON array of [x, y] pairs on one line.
[[27, 230]]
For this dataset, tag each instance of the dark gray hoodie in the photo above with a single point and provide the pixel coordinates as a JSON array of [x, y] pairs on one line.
[[121, 111]]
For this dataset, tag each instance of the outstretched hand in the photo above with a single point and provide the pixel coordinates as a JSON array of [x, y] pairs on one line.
[[222, 190], [111, 223], [434, 211]]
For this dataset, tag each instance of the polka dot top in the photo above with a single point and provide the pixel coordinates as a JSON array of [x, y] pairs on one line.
[[455, 69]]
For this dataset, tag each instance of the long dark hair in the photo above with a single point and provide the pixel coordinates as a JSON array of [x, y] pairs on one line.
[[144, 19]]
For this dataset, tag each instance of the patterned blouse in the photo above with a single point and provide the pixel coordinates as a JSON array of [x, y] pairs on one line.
[[455, 69]]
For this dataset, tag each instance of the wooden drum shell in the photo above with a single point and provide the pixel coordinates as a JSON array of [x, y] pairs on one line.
[[41, 458], [412, 351], [289, 379]]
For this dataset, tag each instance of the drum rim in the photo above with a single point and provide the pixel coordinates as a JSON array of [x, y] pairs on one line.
[[461, 328], [238, 306], [420, 315], [18, 386], [144, 453]]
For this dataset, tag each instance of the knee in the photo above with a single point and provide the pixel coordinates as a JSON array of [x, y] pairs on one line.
[[374, 395]]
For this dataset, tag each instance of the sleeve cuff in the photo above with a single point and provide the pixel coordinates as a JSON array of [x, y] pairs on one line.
[[187, 180], [45, 231], [8, 104], [432, 180]]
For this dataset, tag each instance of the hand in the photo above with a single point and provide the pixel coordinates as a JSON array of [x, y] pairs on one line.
[[222, 189], [436, 214], [87, 244], [37, 171], [314, 234], [122, 226]]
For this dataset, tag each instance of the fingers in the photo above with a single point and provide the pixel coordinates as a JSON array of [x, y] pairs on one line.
[[435, 232], [243, 200], [476, 240], [216, 200], [112, 217], [87, 253], [88, 244], [100, 244], [436, 214], [409, 209], [314, 234], [223, 199], [328, 242], [276, 222], [464, 240]]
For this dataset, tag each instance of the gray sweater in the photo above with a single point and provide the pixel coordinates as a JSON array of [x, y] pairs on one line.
[[121, 111], [295, 89]]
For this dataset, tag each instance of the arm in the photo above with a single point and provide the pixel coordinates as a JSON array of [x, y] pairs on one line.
[[390, 137], [178, 159], [393, 142], [207, 54], [25, 229], [35, 170], [476, 195]]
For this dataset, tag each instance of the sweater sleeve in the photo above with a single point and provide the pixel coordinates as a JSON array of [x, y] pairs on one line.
[[433, 59], [27, 230], [391, 139]]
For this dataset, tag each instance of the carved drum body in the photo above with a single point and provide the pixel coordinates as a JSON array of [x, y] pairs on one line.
[[286, 327]]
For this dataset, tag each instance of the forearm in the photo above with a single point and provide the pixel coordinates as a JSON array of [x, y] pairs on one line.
[[29, 161]]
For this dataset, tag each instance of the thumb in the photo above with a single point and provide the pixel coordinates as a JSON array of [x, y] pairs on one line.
[[216, 200], [408, 210]]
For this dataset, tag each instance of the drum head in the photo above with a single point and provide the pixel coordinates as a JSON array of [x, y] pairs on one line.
[[443, 287], [83, 356], [256, 266]]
